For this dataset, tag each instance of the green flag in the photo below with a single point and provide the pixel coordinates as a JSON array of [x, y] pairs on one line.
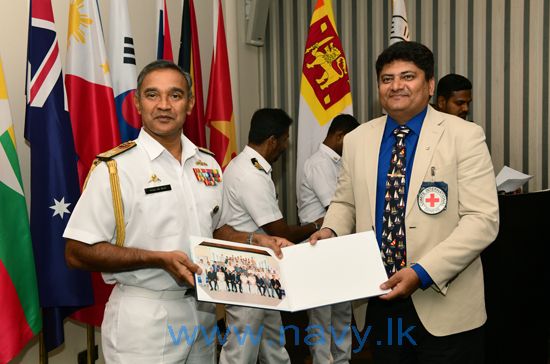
[[20, 316]]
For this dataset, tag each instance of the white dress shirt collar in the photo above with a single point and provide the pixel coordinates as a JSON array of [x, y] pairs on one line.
[[155, 149], [330, 152]]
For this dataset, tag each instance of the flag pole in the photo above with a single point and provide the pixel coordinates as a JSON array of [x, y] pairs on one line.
[[43, 354], [90, 336]]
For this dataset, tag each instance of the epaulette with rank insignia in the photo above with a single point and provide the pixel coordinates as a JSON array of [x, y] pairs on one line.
[[257, 164], [116, 150], [207, 151]]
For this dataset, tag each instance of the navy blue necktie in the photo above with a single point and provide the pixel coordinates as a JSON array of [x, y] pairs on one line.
[[392, 247]]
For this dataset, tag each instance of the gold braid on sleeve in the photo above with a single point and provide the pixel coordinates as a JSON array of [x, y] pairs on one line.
[[118, 209], [117, 202]]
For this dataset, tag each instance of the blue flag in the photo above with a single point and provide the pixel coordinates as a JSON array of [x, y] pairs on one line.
[[54, 179]]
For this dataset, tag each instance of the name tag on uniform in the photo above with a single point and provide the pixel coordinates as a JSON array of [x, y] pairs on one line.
[[156, 189], [432, 198]]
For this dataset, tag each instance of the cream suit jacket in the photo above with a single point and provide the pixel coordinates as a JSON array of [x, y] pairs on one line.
[[448, 244]]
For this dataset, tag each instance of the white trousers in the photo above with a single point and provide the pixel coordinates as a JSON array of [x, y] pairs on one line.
[[333, 319], [144, 326], [267, 344]]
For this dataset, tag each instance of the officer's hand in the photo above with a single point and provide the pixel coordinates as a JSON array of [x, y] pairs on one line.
[[403, 284], [275, 243], [179, 265], [324, 233]]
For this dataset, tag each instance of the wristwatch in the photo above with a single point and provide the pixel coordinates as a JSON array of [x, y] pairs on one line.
[[250, 238]]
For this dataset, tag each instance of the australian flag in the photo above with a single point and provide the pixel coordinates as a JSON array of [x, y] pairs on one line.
[[54, 179]]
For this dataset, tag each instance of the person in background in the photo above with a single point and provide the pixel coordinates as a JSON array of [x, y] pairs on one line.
[[454, 95], [250, 204], [321, 172]]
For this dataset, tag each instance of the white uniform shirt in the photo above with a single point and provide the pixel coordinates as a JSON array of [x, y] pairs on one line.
[[159, 221], [319, 183], [249, 196]]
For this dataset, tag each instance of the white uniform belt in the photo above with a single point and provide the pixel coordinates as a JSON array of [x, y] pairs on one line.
[[149, 293]]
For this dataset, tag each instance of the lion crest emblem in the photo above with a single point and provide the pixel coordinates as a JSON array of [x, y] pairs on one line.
[[330, 58]]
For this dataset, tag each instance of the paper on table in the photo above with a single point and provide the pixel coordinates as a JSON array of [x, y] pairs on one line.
[[509, 180]]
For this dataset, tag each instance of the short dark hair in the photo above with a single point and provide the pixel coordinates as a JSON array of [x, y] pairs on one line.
[[267, 122], [414, 52], [163, 64], [344, 123], [451, 83]]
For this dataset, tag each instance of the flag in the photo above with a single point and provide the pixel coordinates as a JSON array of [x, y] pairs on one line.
[[54, 178], [122, 60], [219, 106], [325, 88], [88, 82], [190, 60], [164, 42], [399, 24], [20, 316], [92, 110]]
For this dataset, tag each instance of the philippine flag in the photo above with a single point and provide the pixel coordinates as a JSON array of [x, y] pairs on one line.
[[92, 110], [88, 82]]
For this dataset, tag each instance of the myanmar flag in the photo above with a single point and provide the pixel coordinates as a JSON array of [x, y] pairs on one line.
[[19, 308]]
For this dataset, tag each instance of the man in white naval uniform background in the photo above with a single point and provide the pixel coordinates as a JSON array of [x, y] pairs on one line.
[[250, 204], [316, 190]]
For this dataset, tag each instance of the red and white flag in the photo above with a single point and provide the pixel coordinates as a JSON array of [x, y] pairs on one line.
[[164, 42], [91, 108], [219, 107]]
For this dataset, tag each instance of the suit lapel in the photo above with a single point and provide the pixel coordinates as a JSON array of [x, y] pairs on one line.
[[432, 128], [372, 150]]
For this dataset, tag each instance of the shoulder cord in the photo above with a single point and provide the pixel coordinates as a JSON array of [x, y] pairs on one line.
[[117, 198]]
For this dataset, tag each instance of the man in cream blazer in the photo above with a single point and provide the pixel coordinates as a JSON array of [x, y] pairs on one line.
[[438, 295]]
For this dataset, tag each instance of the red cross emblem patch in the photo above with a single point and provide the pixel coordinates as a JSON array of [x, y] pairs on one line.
[[432, 200]]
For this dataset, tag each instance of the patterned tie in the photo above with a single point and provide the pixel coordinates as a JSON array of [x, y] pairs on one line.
[[392, 248]]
